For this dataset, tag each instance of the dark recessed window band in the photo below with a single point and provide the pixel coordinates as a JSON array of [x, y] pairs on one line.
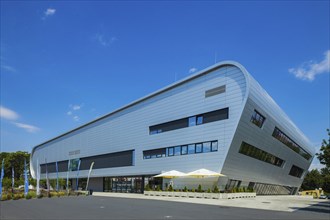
[[204, 118], [196, 148], [279, 135], [117, 159], [215, 91], [296, 171], [259, 154]]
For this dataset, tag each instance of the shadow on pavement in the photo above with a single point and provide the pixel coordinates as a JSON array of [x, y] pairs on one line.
[[322, 207]]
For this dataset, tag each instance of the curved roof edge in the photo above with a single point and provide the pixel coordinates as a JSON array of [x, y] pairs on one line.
[[171, 86]]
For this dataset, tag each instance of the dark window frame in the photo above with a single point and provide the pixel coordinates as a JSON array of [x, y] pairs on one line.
[[258, 119]]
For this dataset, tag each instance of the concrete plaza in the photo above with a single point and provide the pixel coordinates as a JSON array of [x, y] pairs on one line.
[[132, 206]]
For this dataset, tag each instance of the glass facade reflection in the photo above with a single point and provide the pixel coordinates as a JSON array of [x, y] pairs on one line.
[[134, 184]]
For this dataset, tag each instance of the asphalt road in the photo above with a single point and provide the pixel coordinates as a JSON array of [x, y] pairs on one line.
[[95, 207]]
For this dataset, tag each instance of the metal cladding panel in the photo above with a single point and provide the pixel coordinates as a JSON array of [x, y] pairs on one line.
[[129, 128], [241, 167]]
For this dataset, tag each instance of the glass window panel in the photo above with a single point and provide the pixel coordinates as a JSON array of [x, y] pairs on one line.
[[191, 148], [192, 121], [199, 148], [170, 151], [206, 147], [199, 120], [177, 151], [214, 146], [184, 149]]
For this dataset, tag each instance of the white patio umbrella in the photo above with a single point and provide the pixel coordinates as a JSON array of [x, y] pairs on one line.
[[171, 174], [204, 173]]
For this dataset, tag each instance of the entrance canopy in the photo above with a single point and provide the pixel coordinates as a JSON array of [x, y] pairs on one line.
[[171, 174]]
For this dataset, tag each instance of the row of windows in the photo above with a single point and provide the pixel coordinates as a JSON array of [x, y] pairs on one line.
[[205, 147], [258, 154], [296, 171], [279, 135], [204, 118], [258, 119]]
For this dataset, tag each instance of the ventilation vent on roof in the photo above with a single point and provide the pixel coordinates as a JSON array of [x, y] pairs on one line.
[[215, 91]]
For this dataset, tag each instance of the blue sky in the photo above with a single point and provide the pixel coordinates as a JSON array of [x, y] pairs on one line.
[[66, 63]]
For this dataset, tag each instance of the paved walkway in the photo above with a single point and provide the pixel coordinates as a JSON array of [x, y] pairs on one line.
[[275, 203]]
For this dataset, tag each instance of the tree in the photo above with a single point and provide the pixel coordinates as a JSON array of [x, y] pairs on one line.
[[313, 180], [16, 160], [324, 155]]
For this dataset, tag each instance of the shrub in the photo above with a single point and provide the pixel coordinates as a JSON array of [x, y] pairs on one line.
[[16, 197], [4, 197], [61, 194], [170, 188], [40, 196], [147, 188], [33, 194], [199, 188], [208, 190], [28, 196], [216, 189], [185, 189], [193, 190], [9, 197]]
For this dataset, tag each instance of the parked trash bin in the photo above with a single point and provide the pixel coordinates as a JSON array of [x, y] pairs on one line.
[[90, 192]]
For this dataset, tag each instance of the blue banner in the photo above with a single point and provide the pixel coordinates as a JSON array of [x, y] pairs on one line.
[[67, 178], [1, 176], [78, 174], [47, 180], [12, 178], [26, 180], [56, 177]]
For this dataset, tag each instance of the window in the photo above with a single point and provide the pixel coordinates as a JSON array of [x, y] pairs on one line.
[[257, 119], [199, 120], [74, 164], [259, 154], [199, 148], [279, 135], [192, 121], [177, 150], [171, 151], [184, 149], [155, 153], [206, 147], [214, 146], [191, 148], [217, 115], [215, 91], [204, 118], [296, 171]]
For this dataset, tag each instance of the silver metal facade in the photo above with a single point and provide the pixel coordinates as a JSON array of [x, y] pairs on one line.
[[128, 129]]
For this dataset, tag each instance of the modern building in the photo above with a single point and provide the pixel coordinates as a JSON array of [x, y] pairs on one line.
[[219, 119]]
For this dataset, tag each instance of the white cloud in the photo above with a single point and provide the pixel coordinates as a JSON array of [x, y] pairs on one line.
[[73, 111], [8, 114], [28, 128], [308, 70], [8, 68], [50, 12], [192, 70], [75, 107], [103, 40]]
